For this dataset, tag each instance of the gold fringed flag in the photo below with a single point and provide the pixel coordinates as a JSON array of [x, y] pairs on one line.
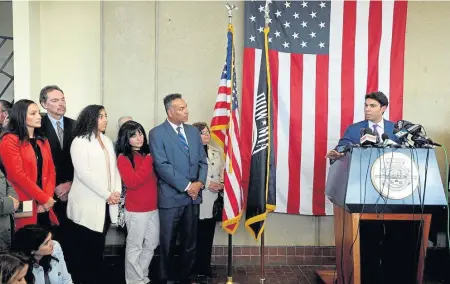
[[261, 191], [225, 131]]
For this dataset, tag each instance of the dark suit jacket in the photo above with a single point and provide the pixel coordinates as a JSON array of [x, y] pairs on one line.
[[61, 157], [352, 134], [175, 166]]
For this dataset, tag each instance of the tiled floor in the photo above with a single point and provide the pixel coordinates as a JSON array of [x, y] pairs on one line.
[[279, 274], [283, 274], [274, 274]]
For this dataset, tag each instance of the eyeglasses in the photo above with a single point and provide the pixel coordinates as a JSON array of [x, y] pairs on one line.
[[205, 132]]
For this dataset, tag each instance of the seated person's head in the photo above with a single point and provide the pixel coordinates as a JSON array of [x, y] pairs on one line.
[[36, 243], [13, 268]]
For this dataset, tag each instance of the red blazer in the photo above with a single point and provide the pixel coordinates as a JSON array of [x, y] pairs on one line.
[[20, 164]]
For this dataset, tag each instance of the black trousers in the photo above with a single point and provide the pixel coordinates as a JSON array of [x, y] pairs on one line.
[[205, 237], [181, 220], [86, 253], [60, 232]]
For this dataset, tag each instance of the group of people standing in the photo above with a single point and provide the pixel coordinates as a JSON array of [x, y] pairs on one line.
[[74, 175]]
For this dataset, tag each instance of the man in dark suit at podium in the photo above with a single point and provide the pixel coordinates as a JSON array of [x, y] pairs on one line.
[[387, 247], [375, 105], [58, 130]]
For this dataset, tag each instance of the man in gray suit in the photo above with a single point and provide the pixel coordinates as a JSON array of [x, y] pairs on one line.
[[181, 167]]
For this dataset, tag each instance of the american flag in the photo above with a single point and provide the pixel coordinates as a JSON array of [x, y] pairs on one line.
[[225, 131], [324, 57]]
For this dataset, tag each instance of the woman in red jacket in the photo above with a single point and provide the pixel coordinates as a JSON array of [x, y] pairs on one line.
[[28, 162], [141, 215]]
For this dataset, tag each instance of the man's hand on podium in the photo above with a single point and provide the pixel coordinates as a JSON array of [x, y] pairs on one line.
[[333, 155]]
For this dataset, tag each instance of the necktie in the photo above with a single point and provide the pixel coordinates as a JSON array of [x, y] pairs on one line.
[[60, 133], [375, 132], [182, 138]]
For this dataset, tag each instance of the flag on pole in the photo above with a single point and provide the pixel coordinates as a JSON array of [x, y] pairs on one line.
[[261, 190], [324, 57], [226, 133]]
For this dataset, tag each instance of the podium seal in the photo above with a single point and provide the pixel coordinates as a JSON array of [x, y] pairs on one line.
[[394, 175]]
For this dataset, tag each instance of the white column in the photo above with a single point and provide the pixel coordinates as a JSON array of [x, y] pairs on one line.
[[26, 48]]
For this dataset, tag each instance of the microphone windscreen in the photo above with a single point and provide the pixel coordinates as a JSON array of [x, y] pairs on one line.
[[384, 136], [368, 131]]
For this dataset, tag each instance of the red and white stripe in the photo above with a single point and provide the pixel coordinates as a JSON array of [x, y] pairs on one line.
[[315, 97], [226, 133]]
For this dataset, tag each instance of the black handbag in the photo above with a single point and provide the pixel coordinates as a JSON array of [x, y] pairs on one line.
[[218, 207]]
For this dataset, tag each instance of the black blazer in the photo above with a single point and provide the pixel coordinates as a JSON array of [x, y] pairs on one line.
[[61, 157]]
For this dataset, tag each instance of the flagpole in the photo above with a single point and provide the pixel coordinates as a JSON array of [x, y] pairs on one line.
[[262, 251], [263, 277], [230, 259], [230, 8]]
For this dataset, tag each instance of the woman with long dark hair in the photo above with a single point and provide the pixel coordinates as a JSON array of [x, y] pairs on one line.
[[141, 214], [28, 162], [46, 258], [95, 185], [13, 268]]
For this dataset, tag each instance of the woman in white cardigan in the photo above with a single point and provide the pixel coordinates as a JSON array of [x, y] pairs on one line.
[[95, 185]]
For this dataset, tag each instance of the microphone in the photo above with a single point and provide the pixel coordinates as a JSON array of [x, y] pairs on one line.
[[388, 142], [367, 139], [401, 134], [421, 140], [402, 124], [346, 148], [405, 127]]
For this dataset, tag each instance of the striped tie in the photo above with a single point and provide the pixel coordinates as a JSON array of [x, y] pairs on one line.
[[182, 138], [60, 133]]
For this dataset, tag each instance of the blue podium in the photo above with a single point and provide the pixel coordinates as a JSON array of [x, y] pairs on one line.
[[381, 184]]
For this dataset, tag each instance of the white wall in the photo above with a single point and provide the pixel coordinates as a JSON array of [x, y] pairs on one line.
[[6, 29], [70, 49], [129, 62]]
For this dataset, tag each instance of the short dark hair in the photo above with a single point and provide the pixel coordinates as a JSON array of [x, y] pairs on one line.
[[47, 89], [87, 122], [379, 97], [200, 126], [169, 98], [7, 106], [17, 122]]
